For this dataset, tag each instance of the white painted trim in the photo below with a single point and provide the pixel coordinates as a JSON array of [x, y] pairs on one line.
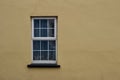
[[43, 38], [32, 40], [44, 18], [44, 61]]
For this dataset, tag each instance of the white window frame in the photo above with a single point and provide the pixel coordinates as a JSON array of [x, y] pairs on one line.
[[44, 38]]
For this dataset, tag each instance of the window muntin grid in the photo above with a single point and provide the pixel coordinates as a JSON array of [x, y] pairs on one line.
[[44, 40]]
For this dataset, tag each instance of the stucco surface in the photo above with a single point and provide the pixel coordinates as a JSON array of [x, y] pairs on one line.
[[88, 39]]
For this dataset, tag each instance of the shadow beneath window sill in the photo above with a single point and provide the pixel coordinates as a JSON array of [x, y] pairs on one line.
[[33, 65]]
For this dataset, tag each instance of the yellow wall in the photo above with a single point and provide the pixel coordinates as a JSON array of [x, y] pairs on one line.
[[88, 39]]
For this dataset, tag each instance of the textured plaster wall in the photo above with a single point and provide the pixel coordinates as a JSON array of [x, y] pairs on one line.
[[88, 39]]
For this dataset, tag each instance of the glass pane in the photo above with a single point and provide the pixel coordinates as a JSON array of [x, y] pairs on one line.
[[44, 45], [43, 32], [52, 55], [44, 55], [43, 23], [36, 45], [52, 45], [36, 23], [36, 55], [51, 23], [36, 33], [51, 32]]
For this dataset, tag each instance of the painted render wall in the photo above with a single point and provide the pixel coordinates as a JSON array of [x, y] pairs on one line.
[[88, 39]]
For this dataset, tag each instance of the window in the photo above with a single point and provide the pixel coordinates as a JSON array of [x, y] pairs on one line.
[[44, 40]]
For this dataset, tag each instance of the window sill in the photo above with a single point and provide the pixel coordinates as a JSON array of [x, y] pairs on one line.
[[43, 65]]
